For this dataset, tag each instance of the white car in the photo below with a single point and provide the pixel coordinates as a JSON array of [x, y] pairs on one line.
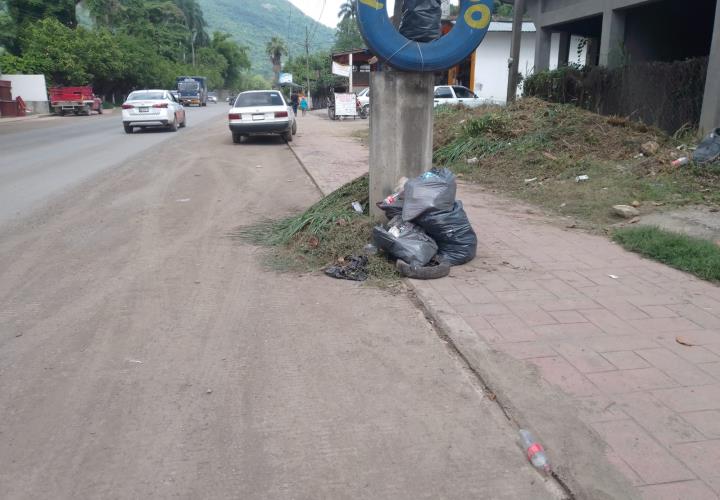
[[261, 112], [152, 108], [364, 97], [212, 99], [455, 94]]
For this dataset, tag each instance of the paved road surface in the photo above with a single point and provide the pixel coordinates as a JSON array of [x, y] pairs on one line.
[[43, 157], [145, 353]]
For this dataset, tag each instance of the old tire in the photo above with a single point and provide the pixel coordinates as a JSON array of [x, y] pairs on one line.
[[429, 272]]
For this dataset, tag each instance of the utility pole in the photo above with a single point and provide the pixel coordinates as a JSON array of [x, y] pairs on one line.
[[192, 46], [514, 62], [307, 65]]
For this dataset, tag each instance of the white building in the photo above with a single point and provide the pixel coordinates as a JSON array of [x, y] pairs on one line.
[[488, 66]]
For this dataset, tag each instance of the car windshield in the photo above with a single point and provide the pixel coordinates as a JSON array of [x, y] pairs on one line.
[[188, 86], [146, 96], [258, 99]]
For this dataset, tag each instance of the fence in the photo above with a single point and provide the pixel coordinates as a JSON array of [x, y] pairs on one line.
[[665, 95]]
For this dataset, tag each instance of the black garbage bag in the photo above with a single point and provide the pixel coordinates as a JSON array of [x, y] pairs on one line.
[[708, 150], [432, 191], [421, 20], [409, 243], [354, 268], [451, 230], [392, 205]]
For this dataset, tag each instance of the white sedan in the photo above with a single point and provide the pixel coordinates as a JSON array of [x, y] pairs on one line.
[[455, 94], [152, 108], [261, 112]]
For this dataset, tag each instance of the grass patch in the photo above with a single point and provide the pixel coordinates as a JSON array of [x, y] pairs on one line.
[[554, 143], [327, 231], [694, 255]]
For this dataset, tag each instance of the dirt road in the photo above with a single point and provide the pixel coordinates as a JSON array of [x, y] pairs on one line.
[[146, 354]]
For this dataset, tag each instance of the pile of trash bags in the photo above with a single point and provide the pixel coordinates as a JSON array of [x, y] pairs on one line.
[[421, 20], [428, 226]]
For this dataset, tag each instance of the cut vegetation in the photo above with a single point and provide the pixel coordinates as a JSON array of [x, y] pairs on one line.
[[324, 234], [536, 150], [696, 256]]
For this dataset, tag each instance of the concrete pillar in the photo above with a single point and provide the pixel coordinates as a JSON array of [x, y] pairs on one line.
[[401, 129], [612, 41], [710, 117], [564, 49], [542, 49]]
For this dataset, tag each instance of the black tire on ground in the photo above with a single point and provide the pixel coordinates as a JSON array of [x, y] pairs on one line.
[[237, 138], [128, 129], [287, 136], [440, 270], [203, 104], [172, 127], [294, 128]]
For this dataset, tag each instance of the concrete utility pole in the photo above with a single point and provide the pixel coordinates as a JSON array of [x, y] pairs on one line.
[[401, 126], [514, 62], [307, 65]]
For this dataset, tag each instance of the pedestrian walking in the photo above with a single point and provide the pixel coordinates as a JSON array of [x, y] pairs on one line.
[[303, 104], [294, 101]]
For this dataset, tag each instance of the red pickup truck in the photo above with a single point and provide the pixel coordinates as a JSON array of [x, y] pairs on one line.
[[75, 100]]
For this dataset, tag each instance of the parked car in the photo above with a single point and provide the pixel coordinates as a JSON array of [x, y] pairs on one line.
[[456, 94], [152, 108], [261, 112], [363, 98]]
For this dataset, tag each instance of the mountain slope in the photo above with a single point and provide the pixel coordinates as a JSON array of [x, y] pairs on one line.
[[253, 22]]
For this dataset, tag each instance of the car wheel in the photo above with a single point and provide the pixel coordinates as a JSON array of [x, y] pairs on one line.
[[128, 129], [294, 128], [100, 110], [173, 126], [287, 136], [184, 122], [237, 138]]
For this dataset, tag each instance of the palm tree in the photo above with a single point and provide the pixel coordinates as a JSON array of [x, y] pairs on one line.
[[347, 10], [275, 49]]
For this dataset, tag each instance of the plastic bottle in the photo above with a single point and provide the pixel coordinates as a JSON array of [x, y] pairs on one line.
[[535, 452]]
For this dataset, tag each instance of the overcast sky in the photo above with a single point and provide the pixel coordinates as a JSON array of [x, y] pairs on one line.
[[328, 15]]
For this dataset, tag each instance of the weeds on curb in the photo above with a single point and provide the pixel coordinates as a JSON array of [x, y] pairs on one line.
[[326, 232]]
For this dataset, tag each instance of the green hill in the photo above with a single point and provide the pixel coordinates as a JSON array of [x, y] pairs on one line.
[[253, 22]]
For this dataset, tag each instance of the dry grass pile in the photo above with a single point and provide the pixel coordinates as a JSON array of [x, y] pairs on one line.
[[535, 150]]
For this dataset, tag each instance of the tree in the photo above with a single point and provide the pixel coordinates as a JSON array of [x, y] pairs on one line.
[[347, 36], [237, 58], [276, 49], [347, 10]]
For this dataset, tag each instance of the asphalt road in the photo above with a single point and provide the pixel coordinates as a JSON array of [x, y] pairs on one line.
[[44, 157], [145, 352]]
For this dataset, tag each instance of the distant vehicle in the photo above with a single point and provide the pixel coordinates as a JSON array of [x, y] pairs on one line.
[[456, 94], [363, 98], [261, 112], [74, 100], [152, 108], [192, 90], [212, 97]]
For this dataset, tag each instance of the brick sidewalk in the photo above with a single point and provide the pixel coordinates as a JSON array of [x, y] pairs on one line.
[[599, 323]]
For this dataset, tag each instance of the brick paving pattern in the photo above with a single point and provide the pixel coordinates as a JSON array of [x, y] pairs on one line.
[[603, 325]]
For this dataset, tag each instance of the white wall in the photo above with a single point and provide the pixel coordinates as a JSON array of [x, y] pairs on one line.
[[491, 63], [31, 88]]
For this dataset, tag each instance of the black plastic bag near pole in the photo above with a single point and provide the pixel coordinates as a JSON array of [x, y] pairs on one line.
[[421, 20]]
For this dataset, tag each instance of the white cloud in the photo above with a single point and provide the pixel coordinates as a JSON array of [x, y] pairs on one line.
[[328, 15]]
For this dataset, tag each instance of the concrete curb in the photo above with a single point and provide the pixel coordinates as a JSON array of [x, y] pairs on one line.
[[576, 452]]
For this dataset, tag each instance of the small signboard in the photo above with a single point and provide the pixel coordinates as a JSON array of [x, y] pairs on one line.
[[285, 78], [340, 70], [345, 105], [445, 5]]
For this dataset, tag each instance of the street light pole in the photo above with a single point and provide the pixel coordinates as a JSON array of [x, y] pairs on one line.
[[514, 62]]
